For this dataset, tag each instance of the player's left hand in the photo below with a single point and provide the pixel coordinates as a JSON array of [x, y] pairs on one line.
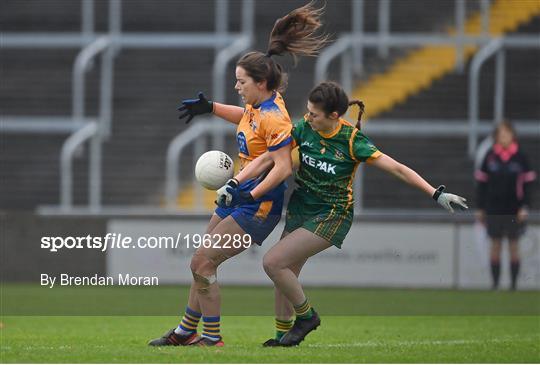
[[224, 197], [446, 199], [229, 195]]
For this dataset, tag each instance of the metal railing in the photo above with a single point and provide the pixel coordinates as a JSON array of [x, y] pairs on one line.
[[403, 40], [80, 66], [427, 128], [345, 44], [227, 45], [69, 148], [496, 47], [383, 31], [95, 130], [351, 46], [41, 125], [87, 18]]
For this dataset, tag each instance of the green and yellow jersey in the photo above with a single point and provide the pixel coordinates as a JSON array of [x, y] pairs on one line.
[[328, 162]]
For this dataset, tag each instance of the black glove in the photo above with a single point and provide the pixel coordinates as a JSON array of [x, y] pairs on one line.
[[193, 107]]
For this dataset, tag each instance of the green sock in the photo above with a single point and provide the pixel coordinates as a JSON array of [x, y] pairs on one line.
[[303, 310], [282, 327]]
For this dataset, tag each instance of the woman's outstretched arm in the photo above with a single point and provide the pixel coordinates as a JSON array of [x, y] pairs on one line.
[[411, 177]]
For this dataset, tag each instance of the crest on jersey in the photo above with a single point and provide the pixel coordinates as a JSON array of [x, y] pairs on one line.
[[339, 155], [252, 122], [242, 143]]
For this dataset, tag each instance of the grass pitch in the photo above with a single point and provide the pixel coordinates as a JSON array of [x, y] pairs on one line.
[[417, 339], [398, 335]]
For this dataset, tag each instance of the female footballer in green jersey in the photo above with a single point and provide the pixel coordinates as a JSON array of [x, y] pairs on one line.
[[320, 211]]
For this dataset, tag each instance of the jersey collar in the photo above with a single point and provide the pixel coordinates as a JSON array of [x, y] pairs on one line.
[[270, 100], [334, 132]]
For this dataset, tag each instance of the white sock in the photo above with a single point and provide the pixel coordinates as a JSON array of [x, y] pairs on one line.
[[210, 338], [182, 332]]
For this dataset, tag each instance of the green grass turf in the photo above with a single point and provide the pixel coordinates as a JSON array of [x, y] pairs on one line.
[[163, 300], [340, 339], [113, 325]]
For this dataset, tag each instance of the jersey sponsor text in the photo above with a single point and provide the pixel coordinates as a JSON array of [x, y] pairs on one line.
[[321, 165]]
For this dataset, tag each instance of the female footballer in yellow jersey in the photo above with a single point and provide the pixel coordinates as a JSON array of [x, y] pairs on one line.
[[320, 211], [255, 206]]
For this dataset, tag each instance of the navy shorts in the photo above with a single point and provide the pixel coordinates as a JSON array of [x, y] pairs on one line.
[[504, 225], [260, 218]]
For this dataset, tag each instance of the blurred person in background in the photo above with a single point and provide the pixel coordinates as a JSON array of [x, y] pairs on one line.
[[503, 197]]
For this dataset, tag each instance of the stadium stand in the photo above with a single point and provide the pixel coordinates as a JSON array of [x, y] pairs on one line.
[[149, 84], [445, 159]]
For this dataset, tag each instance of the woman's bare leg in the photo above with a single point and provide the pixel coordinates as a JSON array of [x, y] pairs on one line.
[[204, 266], [294, 248], [193, 300]]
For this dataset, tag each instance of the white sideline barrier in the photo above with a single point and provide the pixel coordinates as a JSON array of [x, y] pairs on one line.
[[381, 254]]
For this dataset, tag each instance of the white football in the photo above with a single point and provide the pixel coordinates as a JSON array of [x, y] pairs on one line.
[[213, 169]]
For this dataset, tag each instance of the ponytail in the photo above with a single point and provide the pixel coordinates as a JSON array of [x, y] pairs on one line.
[[293, 34], [361, 108]]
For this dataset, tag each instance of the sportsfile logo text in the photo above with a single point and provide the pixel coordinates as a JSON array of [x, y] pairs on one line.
[[119, 240]]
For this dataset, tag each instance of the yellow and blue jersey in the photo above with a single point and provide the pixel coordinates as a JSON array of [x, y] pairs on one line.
[[264, 127]]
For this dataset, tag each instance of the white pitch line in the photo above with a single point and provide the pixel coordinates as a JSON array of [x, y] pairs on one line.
[[344, 345], [420, 343]]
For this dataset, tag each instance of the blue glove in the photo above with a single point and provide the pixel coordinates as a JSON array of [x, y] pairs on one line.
[[193, 107]]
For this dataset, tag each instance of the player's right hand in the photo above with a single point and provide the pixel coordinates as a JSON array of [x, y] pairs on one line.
[[193, 107], [224, 195], [522, 215]]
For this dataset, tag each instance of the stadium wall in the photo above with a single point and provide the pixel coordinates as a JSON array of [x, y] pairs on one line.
[[385, 253], [23, 259], [378, 252]]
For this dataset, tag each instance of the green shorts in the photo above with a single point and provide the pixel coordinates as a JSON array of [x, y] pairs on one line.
[[327, 221]]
